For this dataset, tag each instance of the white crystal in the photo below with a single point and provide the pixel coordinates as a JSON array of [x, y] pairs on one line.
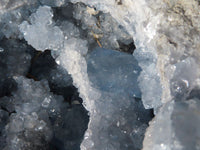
[[41, 125], [46, 102], [158, 39], [172, 129], [166, 43], [33, 110], [1, 49], [108, 100], [41, 32], [166, 34]]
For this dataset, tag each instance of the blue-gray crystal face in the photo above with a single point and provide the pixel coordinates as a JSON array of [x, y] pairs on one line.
[[114, 72]]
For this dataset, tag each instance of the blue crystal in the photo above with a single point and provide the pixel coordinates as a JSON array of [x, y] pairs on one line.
[[114, 71]]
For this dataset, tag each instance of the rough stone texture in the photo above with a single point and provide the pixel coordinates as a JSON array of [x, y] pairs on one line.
[[175, 127], [110, 108], [165, 32], [31, 119], [166, 36], [116, 109], [40, 120], [12, 13]]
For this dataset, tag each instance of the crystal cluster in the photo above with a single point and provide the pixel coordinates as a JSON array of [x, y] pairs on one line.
[[34, 106], [41, 34], [36, 116], [123, 118], [123, 60], [174, 126], [166, 34]]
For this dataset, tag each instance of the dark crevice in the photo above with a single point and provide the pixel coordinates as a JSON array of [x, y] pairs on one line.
[[144, 117], [5, 109], [127, 48], [71, 124], [194, 94], [43, 66]]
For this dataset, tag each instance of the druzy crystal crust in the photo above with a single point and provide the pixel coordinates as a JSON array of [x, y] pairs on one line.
[[99, 75]]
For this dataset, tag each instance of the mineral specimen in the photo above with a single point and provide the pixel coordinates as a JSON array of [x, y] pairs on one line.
[[123, 60], [40, 33], [38, 116], [33, 105], [171, 130]]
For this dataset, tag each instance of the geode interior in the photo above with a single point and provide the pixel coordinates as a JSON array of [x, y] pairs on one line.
[[99, 75]]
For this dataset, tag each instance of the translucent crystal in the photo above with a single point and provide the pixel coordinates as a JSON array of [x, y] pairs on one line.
[[159, 41], [41, 32], [168, 129], [113, 75], [163, 71], [46, 102], [30, 117], [110, 102]]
